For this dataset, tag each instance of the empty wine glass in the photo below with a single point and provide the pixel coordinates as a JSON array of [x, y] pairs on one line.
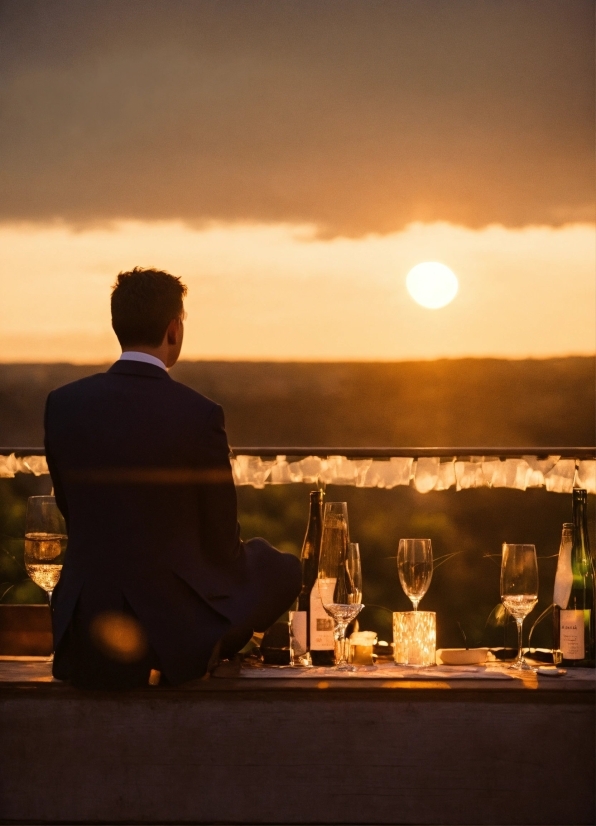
[[415, 567], [344, 603], [45, 542], [340, 576], [519, 590]]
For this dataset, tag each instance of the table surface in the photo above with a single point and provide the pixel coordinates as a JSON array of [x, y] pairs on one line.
[[29, 673]]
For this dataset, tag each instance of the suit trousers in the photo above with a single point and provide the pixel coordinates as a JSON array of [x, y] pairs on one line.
[[85, 657]]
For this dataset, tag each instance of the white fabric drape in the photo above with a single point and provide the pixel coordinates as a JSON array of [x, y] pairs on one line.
[[556, 474]]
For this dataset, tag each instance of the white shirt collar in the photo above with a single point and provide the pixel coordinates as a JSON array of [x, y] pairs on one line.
[[133, 355]]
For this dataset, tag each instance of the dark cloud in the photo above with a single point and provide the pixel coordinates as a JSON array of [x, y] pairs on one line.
[[358, 115]]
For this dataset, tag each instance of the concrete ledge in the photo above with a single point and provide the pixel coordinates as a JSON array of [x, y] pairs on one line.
[[238, 751]]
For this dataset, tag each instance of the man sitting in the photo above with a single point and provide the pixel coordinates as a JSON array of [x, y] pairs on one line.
[[155, 575]]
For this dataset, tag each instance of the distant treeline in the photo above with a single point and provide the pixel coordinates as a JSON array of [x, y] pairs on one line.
[[491, 402]]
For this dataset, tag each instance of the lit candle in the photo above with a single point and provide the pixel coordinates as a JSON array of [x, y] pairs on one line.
[[414, 637]]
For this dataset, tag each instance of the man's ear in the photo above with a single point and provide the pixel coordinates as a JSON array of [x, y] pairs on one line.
[[172, 331]]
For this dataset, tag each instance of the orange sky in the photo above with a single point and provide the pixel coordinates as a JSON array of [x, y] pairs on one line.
[[280, 292], [291, 160]]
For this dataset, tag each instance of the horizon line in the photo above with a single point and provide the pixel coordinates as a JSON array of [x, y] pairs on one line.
[[270, 360]]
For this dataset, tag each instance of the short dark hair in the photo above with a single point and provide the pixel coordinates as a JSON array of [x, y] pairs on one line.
[[144, 301]]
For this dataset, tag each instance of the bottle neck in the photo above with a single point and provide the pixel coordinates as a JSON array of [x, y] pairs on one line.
[[313, 529], [314, 514], [580, 521], [567, 535], [579, 511]]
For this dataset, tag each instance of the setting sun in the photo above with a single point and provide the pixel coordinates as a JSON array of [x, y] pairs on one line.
[[432, 285]]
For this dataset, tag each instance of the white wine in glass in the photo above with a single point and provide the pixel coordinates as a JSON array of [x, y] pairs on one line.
[[415, 567], [45, 542], [519, 590]]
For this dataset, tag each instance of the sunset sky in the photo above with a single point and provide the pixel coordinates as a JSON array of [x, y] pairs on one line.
[[292, 160]]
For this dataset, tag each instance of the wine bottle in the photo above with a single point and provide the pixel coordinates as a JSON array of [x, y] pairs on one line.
[[562, 589], [316, 625], [312, 628], [576, 618], [309, 560]]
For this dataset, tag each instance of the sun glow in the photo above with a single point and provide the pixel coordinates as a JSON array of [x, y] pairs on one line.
[[281, 293], [432, 285]]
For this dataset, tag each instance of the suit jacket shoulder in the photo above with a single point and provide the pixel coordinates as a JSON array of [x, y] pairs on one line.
[[203, 404], [98, 385]]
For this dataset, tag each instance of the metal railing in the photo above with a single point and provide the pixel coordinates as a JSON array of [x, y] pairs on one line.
[[380, 452]]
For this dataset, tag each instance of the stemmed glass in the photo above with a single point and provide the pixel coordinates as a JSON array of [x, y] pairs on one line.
[[519, 590], [340, 576], [45, 542], [415, 567]]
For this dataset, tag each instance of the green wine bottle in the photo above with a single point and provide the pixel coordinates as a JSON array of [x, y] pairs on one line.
[[576, 637]]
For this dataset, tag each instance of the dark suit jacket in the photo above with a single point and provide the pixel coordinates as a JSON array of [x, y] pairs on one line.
[[141, 473]]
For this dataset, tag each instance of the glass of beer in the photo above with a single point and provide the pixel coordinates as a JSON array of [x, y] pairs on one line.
[[45, 542]]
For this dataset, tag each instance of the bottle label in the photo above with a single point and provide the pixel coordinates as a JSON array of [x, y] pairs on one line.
[[298, 638], [321, 624], [564, 575], [572, 635]]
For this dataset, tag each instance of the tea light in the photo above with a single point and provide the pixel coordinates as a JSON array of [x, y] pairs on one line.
[[414, 637], [361, 647]]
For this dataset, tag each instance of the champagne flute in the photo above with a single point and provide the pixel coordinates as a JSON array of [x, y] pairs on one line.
[[45, 542], [339, 576], [519, 590], [415, 567]]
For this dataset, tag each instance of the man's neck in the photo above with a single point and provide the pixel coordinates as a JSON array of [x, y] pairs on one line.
[[162, 352], [168, 351], [139, 355]]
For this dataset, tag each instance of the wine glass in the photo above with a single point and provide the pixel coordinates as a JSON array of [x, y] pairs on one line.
[[340, 576], [415, 567], [519, 590], [343, 602], [45, 542]]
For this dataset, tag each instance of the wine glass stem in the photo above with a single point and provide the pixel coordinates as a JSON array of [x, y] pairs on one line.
[[415, 604], [50, 659], [520, 656], [340, 636]]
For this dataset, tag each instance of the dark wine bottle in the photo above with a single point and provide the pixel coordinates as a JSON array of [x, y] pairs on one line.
[[309, 558], [576, 628], [312, 628]]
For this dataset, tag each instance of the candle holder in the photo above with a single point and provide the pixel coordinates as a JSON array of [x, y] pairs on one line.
[[415, 638]]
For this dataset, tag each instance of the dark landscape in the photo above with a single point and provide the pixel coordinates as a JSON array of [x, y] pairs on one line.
[[425, 403], [468, 402]]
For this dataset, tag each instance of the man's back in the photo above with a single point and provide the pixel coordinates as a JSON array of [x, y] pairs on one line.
[[142, 476], [141, 472]]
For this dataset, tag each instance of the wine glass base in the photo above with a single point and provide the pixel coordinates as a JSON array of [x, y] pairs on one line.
[[345, 667], [521, 666], [417, 665]]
